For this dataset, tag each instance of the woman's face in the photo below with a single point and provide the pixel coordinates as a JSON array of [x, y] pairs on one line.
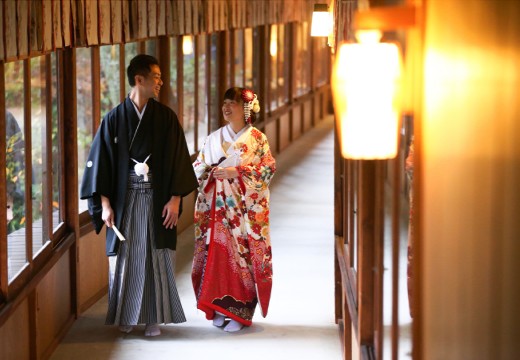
[[233, 111]]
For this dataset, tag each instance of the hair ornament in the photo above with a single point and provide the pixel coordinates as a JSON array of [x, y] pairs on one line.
[[251, 103]]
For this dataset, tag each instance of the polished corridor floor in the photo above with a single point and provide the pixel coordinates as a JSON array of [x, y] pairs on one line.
[[300, 324]]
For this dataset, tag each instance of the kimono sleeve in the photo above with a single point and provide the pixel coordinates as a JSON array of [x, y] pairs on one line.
[[183, 180], [258, 174], [200, 166], [97, 174]]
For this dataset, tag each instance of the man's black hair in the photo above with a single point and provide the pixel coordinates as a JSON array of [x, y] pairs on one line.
[[140, 65]]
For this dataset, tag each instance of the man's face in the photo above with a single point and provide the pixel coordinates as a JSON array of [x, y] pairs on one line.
[[151, 84]]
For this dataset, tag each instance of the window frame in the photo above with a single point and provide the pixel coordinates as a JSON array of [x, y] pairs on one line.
[[51, 232]]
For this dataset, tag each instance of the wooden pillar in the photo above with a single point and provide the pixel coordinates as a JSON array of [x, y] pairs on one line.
[[66, 70], [367, 241]]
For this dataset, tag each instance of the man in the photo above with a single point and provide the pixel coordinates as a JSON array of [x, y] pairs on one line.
[[138, 170]]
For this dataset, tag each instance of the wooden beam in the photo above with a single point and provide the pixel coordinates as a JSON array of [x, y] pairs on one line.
[[386, 18]]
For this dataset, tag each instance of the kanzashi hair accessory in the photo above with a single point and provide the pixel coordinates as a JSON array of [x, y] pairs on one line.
[[251, 103]]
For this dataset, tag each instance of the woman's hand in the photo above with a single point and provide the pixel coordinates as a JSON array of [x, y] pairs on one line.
[[225, 173], [170, 212]]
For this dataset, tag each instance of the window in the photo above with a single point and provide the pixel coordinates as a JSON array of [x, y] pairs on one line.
[[273, 67], [302, 59], [109, 78], [131, 50], [283, 65], [321, 60], [84, 112], [215, 103], [239, 58], [32, 159], [188, 92], [248, 58], [173, 72], [15, 167], [202, 84], [279, 66]]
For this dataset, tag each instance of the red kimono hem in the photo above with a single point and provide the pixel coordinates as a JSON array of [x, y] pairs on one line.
[[210, 309]]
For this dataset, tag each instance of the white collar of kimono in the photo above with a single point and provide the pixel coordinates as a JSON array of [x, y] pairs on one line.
[[140, 168], [139, 114], [229, 135]]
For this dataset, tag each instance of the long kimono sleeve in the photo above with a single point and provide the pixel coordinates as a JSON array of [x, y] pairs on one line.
[[200, 166], [255, 177], [183, 180], [258, 173], [98, 174]]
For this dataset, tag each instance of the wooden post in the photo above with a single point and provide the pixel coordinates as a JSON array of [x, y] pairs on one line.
[[66, 70]]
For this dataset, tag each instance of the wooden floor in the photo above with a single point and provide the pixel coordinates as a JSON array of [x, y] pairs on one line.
[[300, 323]]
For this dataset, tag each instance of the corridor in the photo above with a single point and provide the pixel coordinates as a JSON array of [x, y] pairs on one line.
[[300, 323]]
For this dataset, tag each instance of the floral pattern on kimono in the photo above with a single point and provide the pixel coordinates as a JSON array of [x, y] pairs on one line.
[[232, 265]]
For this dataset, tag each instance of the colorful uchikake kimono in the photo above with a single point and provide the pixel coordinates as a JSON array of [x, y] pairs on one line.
[[232, 268]]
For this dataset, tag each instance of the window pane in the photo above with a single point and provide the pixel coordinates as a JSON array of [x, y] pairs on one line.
[[38, 153], [109, 77], [188, 92], [239, 58], [213, 100], [56, 150], [282, 66], [322, 61], [130, 52], [15, 165], [248, 60], [302, 59], [202, 122], [150, 47], [173, 72], [84, 106], [273, 51]]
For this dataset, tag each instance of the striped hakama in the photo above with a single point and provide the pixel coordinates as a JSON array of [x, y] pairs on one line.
[[142, 287]]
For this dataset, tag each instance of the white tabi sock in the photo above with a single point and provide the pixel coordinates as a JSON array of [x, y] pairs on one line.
[[218, 319], [233, 326], [152, 330], [126, 328]]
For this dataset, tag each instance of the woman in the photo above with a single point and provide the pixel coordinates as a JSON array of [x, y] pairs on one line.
[[232, 269]]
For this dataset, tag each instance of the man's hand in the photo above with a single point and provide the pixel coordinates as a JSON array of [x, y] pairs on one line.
[[170, 212], [108, 214]]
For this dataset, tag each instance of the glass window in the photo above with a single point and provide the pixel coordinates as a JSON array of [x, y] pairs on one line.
[[322, 60], [57, 217], [109, 78], [38, 149], [130, 51], [150, 47], [188, 92], [15, 167], [84, 111], [32, 159], [213, 100], [282, 66], [239, 58], [248, 58], [173, 72], [273, 66], [202, 113], [302, 59]]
